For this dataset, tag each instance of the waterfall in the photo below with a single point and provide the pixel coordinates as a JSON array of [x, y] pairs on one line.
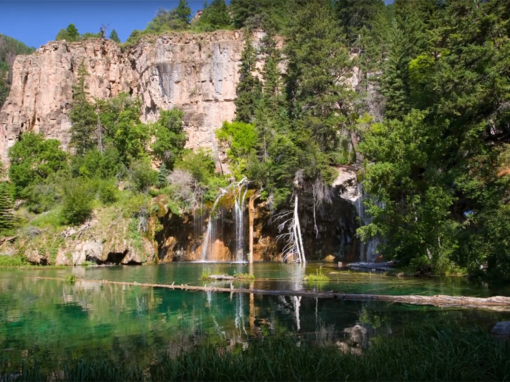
[[210, 235], [239, 200], [368, 251]]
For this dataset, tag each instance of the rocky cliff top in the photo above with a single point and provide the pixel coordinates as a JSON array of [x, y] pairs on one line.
[[195, 72]]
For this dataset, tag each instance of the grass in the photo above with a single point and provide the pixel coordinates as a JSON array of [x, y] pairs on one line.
[[11, 261], [71, 279], [419, 353], [206, 272], [243, 276], [317, 277]]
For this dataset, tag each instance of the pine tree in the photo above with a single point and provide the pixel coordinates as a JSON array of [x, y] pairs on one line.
[[271, 112], [183, 12], [356, 14], [318, 62], [215, 16], [162, 176], [114, 36], [83, 116], [249, 87], [72, 33]]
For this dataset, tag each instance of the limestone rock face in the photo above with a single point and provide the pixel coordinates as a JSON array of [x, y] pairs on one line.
[[195, 72]]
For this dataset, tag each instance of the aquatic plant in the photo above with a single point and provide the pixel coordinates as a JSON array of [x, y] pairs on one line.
[[244, 276], [206, 272], [317, 277], [71, 279]]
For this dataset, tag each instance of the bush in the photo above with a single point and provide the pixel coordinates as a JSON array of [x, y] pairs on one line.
[[107, 192], [77, 203], [11, 261], [142, 175]]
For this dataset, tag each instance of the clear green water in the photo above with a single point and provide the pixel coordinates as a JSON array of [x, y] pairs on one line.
[[54, 320]]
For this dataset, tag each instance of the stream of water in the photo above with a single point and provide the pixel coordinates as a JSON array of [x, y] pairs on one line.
[[53, 319]]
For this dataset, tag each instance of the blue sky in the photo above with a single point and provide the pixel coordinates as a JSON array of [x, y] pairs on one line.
[[38, 21]]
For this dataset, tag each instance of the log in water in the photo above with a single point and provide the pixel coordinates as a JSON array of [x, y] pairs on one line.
[[498, 303]]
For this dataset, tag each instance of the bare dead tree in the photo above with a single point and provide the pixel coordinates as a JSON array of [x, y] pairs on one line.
[[103, 30]]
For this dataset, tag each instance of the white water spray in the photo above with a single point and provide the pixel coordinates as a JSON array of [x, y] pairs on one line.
[[239, 201], [210, 235]]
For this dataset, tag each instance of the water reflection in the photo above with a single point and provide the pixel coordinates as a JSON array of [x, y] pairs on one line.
[[53, 319]]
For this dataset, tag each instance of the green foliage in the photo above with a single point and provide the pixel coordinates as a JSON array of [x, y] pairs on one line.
[[241, 139], [114, 36], [142, 175], [200, 164], [243, 276], [70, 34], [83, 116], [6, 207], [357, 14], [206, 272], [422, 352], [174, 19], [265, 14], [169, 138], [33, 159], [108, 192], [215, 16], [96, 165], [162, 176], [77, 202], [11, 261], [249, 87], [318, 277], [70, 279], [437, 174]]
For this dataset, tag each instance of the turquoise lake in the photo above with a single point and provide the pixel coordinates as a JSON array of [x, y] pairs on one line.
[[46, 319]]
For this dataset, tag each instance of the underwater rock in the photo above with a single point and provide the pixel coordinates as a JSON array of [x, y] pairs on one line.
[[502, 330]]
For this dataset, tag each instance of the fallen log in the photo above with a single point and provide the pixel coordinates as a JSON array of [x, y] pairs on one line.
[[498, 303], [220, 277]]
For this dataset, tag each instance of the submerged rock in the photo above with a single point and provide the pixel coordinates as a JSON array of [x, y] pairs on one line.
[[502, 330]]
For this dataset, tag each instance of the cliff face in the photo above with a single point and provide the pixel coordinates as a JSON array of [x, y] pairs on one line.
[[195, 72]]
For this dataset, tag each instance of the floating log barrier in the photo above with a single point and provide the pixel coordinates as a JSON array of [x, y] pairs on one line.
[[498, 303]]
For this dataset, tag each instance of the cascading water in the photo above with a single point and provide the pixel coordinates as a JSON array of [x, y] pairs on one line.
[[210, 235], [368, 251], [239, 199]]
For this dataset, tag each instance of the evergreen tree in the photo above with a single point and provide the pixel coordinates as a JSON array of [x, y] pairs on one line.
[[215, 16], [83, 116], [394, 76], [162, 176], [318, 62], [249, 87], [243, 10], [114, 36], [72, 32], [356, 14], [183, 12]]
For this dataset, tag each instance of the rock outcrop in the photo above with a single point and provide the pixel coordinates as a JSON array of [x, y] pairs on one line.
[[195, 72], [107, 238]]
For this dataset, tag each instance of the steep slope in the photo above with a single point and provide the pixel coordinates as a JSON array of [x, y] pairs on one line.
[[9, 49], [195, 72]]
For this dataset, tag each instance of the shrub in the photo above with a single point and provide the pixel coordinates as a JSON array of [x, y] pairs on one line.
[[107, 192], [142, 175], [77, 203]]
